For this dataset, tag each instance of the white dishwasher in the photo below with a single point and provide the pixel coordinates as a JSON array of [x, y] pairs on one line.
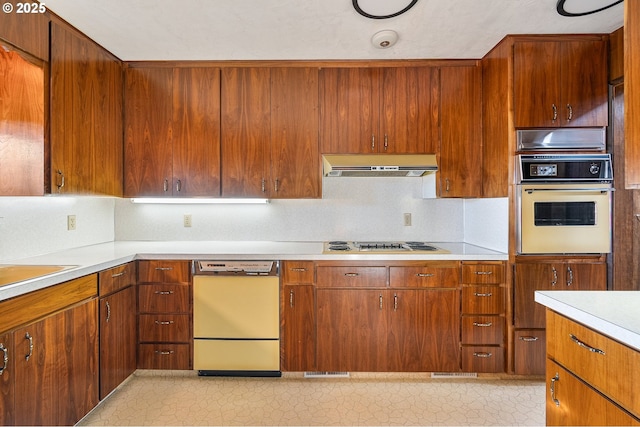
[[236, 318]]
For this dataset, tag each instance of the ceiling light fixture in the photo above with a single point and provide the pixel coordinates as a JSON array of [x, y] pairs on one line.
[[562, 11], [358, 9], [384, 39]]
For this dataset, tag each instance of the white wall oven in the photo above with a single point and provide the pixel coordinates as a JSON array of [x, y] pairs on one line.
[[564, 203]]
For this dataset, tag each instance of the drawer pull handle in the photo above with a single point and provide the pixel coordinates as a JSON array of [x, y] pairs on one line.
[[489, 294], [425, 274], [291, 298], [164, 292], [164, 352], [552, 389], [351, 274], [483, 325], [583, 345], [113, 276], [484, 273], [164, 322], [30, 338], [482, 354], [5, 357], [164, 268], [108, 306], [298, 269], [529, 338], [380, 301]]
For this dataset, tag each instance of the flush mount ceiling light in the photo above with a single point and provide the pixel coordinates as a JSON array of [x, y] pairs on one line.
[[382, 9], [384, 39], [585, 7]]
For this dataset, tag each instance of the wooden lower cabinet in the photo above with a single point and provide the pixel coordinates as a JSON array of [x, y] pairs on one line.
[[529, 351], [384, 330], [571, 402], [298, 328], [7, 380]]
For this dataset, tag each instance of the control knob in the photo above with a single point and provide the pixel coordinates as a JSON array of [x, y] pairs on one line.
[[594, 169]]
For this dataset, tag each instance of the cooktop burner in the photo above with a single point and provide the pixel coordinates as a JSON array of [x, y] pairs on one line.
[[389, 247]]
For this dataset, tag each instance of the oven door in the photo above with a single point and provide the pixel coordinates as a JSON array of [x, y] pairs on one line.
[[564, 219]]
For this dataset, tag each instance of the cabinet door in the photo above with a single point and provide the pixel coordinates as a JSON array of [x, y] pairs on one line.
[[537, 83], [148, 131], [245, 131], [529, 352], [58, 383], [349, 110], [528, 279], [424, 330], [352, 329], [572, 402], [117, 339], [21, 125], [460, 168], [295, 162], [7, 379], [298, 330], [409, 114], [584, 84], [586, 276], [86, 116], [196, 132]]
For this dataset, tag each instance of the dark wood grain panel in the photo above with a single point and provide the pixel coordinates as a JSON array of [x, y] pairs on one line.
[[298, 272], [22, 126], [298, 328], [164, 356], [351, 276], [425, 277], [164, 328], [484, 359], [632, 94], [7, 383], [164, 271], [27, 31], [164, 298], [116, 278], [483, 330], [530, 352], [483, 299], [483, 273]]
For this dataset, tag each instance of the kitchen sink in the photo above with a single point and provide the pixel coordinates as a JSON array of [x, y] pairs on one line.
[[16, 273]]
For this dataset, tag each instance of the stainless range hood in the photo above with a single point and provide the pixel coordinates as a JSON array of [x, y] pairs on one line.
[[370, 165]]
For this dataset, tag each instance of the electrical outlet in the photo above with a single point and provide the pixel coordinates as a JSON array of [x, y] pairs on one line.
[[187, 220], [71, 222], [407, 219]]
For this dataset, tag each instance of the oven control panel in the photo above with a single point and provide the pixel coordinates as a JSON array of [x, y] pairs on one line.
[[543, 170]]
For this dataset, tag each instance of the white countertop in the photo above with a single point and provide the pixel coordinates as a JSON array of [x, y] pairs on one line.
[[612, 313], [94, 258]]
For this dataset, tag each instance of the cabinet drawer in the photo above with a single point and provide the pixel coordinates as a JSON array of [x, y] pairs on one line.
[[483, 300], [595, 358], [164, 298], [116, 278], [482, 359], [482, 330], [352, 277], [164, 271], [483, 273], [164, 328], [164, 356], [530, 352], [297, 272], [424, 277]]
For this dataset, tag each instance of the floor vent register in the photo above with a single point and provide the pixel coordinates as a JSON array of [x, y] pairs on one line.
[[449, 375], [326, 374]]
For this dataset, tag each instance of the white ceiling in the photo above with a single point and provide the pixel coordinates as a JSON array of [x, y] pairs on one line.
[[318, 29]]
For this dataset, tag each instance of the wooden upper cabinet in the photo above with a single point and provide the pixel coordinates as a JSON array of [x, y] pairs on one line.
[[460, 163], [172, 132], [632, 95], [560, 83], [27, 31], [22, 125], [379, 110], [270, 132], [86, 115]]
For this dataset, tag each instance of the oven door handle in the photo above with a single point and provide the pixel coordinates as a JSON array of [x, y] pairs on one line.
[[572, 190]]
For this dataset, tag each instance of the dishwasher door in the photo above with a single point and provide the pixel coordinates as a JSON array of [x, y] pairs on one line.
[[236, 324]]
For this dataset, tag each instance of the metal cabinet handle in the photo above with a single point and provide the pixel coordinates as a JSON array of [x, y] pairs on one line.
[[164, 268], [373, 142], [554, 279], [106, 303], [113, 276], [570, 277], [298, 269], [584, 345], [483, 325], [528, 338], [488, 294], [395, 302], [425, 274], [263, 185], [165, 185], [61, 175], [482, 354], [552, 389], [351, 274], [276, 185], [27, 336], [555, 112], [164, 322], [5, 357], [179, 185], [484, 273], [570, 112], [380, 301], [164, 292], [164, 352], [291, 298], [447, 187], [386, 142]]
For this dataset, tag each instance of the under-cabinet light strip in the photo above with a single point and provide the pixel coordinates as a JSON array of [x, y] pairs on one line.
[[180, 201]]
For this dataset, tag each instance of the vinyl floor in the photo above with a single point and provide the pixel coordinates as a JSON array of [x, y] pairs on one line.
[[152, 398]]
